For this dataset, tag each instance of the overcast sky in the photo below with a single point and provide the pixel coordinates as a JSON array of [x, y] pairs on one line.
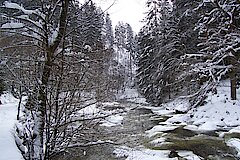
[[128, 11]]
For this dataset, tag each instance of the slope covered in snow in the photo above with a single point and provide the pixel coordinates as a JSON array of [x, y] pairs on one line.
[[8, 112], [219, 115], [219, 112]]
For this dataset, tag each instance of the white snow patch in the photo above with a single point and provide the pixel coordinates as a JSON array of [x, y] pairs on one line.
[[132, 95], [171, 107], [188, 155], [178, 118], [147, 154], [110, 104], [8, 112], [191, 127], [220, 106], [142, 154], [208, 126], [161, 110], [53, 36], [11, 5], [218, 112], [159, 129], [178, 105], [158, 140], [91, 110], [12, 25], [8, 98], [234, 142], [112, 121], [235, 130]]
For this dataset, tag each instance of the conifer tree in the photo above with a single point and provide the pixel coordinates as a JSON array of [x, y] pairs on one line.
[[219, 35], [109, 31], [90, 23], [152, 75]]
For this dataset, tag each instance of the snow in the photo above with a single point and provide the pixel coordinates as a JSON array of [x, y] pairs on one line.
[[147, 154], [188, 155], [158, 140], [178, 118], [8, 110], [143, 154], [161, 110], [53, 36], [111, 104], [219, 112], [89, 111], [112, 121], [132, 95], [88, 48], [178, 105], [159, 129], [11, 5], [235, 130], [208, 126], [234, 142], [12, 25], [191, 127]]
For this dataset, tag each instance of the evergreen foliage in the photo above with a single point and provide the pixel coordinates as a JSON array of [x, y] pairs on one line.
[[154, 54], [108, 30], [185, 45], [90, 25], [219, 35]]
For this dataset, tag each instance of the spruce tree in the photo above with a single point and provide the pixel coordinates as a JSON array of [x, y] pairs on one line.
[[147, 42], [152, 75], [90, 23], [108, 31], [219, 35]]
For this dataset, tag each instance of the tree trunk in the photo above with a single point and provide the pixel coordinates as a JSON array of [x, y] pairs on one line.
[[233, 83], [19, 105], [43, 105], [50, 50]]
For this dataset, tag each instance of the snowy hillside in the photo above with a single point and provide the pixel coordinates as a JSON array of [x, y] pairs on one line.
[[219, 115], [218, 112]]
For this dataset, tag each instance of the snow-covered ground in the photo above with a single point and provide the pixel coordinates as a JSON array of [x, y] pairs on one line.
[[112, 121], [8, 112], [132, 95], [147, 154], [220, 112]]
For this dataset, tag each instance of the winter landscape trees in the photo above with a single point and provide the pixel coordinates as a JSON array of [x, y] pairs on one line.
[[59, 57], [196, 43], [54, 53]]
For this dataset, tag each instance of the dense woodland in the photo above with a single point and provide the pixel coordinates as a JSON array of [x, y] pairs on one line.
[[64, 56], [186, 47]]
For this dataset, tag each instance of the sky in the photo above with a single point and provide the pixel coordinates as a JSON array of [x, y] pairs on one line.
[[127, 11]]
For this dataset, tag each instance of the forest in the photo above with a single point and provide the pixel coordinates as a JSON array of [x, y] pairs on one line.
[[60, 57]]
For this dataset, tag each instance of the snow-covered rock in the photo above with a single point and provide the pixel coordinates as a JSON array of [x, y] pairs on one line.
[[234, 142], [159, 129], [112, 121]]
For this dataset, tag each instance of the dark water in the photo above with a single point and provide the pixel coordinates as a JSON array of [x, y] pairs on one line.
[[131, 133]]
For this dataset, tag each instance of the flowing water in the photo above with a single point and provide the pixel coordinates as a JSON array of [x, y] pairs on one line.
[[131, 133]]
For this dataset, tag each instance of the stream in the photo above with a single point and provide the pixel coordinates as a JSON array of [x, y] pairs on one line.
[[132, 134]]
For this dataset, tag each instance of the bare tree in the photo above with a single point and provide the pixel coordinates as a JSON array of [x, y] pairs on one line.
[[56, 79]]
